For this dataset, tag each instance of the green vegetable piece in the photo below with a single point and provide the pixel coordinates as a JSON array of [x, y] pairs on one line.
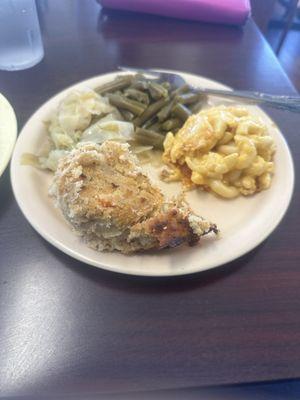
[[150, 111], [165, 111], [166, 85], [157, 91], [171, 124], [150, 138], [119, 83], [122, 102], [181, 111], [150, 122], [139, 82], [127, 115], [182, 89], [188, 98], [198, 106], [138, 95], [156, 127]]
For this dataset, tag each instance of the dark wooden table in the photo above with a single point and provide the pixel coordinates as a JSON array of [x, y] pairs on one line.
[[69, 328]]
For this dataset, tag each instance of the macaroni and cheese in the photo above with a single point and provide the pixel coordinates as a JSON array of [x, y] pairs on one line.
[[225, 150]]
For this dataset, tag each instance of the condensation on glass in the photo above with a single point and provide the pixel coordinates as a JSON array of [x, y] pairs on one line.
[[21, 44]]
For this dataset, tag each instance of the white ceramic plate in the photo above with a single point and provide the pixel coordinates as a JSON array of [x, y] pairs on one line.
[[244, 222], [8, 132]]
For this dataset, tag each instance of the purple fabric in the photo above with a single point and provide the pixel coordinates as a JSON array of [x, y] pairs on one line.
[[222, 11]]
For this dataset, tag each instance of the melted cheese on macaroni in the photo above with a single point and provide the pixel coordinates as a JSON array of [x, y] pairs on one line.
[[222, 149]]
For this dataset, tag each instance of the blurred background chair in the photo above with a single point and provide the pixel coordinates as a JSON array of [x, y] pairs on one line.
[[279, 21]]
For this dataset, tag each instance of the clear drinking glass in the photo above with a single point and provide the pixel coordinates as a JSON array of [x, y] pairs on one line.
[[21, 44]]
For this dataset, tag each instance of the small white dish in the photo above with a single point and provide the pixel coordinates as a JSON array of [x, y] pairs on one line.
[[244, 222], [8, 132]]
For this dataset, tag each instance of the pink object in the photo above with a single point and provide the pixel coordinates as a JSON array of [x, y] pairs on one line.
[[220, 11]]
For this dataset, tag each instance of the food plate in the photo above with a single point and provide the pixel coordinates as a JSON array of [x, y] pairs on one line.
[[244, 222], [8, 132]]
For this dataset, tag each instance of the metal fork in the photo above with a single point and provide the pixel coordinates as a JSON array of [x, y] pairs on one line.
[[289, 103]]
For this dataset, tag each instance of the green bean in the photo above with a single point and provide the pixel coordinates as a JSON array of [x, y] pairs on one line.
[[138, 77], [181, 111], [142, 85], [117, 84], [154, 107], [165, 111], [166, 85], [149, 133], [145, 136], [150, 111], [121, 101], [137, 95], [198, 106], [188, 98], [156, 127], [127, 115], [157, 91], [149, 122], [182, 89], [171, 124]]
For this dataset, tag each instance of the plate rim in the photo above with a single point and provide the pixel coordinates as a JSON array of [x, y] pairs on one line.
[[102, 265], [13, 133]]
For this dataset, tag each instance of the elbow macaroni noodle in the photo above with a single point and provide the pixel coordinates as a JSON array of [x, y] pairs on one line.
[[221, 149]]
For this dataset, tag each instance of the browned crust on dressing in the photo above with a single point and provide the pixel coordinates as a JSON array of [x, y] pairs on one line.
[[112, 204]]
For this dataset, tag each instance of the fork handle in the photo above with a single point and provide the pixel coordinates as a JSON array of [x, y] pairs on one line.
[[290, 103]]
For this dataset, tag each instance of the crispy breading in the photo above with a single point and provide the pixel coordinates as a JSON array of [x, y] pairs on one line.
[[106, 197]]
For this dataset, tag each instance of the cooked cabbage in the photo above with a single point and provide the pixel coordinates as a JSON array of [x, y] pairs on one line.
[[82, 116], [74, 115], [51, 161], [101, 136], [125, 129]]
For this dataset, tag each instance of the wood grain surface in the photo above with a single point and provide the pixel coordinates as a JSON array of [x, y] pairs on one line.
[[69, 328]]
